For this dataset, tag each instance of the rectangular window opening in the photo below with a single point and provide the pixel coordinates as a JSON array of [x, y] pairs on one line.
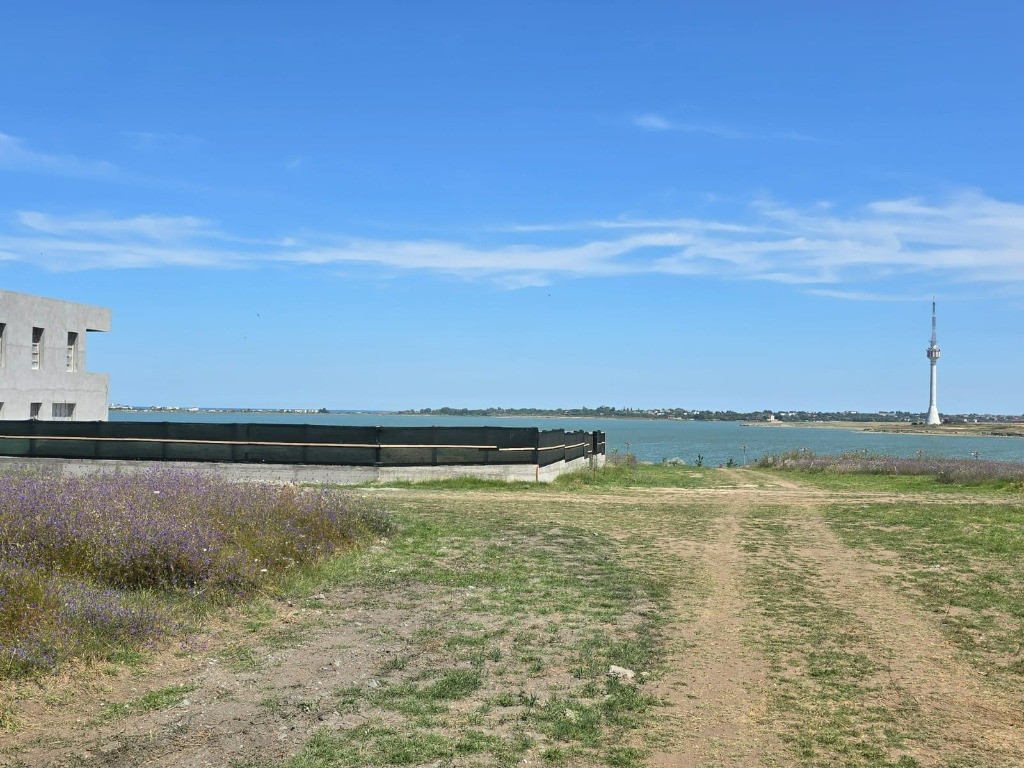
[[3, 327], [34, 409], [37, 348], [63, 411], [72, 351]]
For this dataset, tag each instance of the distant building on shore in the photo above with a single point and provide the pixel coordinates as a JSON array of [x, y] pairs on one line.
[[42, 360]]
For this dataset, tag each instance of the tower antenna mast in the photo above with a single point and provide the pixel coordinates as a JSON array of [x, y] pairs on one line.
[[933, 353], [934, 338]]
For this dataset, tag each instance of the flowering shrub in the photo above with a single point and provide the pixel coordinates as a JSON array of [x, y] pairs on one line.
[[943, 470], [89, 562]]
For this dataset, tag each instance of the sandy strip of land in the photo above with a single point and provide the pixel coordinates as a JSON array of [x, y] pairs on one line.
[[990, 429]]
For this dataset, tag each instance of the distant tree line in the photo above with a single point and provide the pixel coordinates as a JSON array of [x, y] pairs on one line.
[[686, 414]]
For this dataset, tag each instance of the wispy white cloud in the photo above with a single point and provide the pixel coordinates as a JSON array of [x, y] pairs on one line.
[[163, 228], [592, 258], [71, 255], [876, 252], [15, 155], [292, 163], [652, 121], [626, 223], [866, 295], [74, 243]]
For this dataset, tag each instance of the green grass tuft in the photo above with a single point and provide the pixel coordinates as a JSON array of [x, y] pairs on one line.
[[162, 698]]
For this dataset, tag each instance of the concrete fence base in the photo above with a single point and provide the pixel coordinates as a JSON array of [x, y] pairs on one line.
[[315, 473]]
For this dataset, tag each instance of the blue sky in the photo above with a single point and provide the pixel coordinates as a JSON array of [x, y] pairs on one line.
[[399, 204]]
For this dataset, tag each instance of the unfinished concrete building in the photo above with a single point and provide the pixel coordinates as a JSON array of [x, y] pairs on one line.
[[42, 360]]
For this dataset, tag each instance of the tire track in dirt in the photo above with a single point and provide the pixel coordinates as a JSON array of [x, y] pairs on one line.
[[956, 708], [716, 689]]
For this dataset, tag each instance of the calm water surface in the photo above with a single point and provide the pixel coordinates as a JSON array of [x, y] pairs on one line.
[[657, 440]]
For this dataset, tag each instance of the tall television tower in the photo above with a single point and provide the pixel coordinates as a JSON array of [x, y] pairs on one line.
[[933, 353]]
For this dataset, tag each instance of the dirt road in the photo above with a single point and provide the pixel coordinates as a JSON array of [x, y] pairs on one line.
[[781, 645]]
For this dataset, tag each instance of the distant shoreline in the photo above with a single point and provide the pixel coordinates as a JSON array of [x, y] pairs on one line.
[[990, 429], [301, 412], [958, 429]]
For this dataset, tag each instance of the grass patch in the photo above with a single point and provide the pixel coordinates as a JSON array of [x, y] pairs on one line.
[[240, 658], [860, 470], [390, 746], [467, 483], [625, 757], [8, 718], [963, 562], [821, 665], [530, 615], [629, 475], [419, 700], [162, 698], [612, 475], [456, 684], [287, 637], [129, 657]]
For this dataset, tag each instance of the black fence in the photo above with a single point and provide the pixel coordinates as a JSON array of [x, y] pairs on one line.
[[295, 443]]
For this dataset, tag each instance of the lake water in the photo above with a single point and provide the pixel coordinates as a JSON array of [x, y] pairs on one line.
[[657, 440]]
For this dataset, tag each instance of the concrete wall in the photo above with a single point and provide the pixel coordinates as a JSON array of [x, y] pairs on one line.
[[52, 382], [315, 473]]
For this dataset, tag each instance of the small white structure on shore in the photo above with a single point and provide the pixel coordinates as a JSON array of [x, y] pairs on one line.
[[933, 353], [42, 360]]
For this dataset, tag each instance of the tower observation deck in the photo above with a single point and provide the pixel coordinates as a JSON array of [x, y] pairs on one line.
[[933, 353]]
